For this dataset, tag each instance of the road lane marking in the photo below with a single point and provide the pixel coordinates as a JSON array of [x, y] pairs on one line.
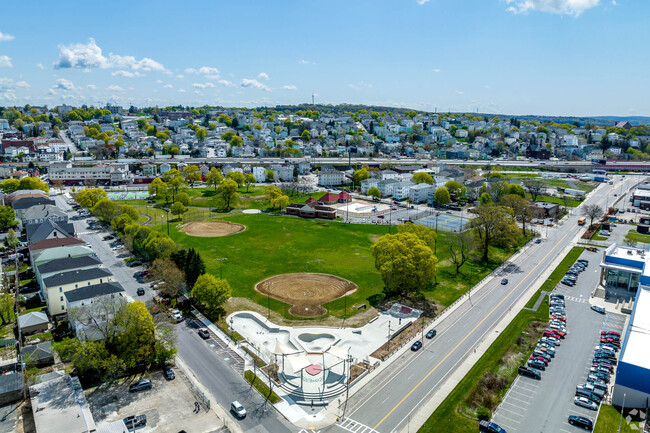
[[467, 336]]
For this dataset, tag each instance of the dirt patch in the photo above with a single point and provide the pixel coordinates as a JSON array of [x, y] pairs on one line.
[[396, 342], [212, 229], [306, 292], [374, 238]]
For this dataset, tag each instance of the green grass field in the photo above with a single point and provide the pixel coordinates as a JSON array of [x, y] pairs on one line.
[[279, 244], [453, 415], [570, 203], [609, 418], [633, 235]]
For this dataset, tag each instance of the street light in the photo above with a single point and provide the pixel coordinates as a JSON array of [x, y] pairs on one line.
[[223, 259], [620, 422]]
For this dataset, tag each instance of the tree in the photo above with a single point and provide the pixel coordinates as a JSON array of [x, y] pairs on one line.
[[89, 197], [423, 233], [175, 184], [58, 184], [11, 239], [134, 336], [7, 217], [183, 197], [305, 135], [422, 177], [237, 176], [236, 141], [269, 175], [280, 202], [192, 174], [520, 208], [211, 293], [201, 133], [214, 178], [360, 175], [106, 209], [190, 263], [442, 196], [516, 189], [373, 191], [6, 308], [31, 182], [460, 248], [171, 277], [227, 191], [406, 263], [593, 212], [249, 179], [155, 187], [10, 185], [453, 187], [120, 222], [178, 209], [485, 198], [534, 187], [494, 223]]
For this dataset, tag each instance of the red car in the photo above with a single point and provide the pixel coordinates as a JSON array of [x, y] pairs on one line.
[[615, 334], [538, 358]]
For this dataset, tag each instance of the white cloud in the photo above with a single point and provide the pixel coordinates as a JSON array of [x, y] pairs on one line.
[[305, 62], [202, 85], [88, 56], [289, 87], [168, 86], [114, 88], [459, 92], [63, 84], [127, 74], [562, 7], [247, 82], [8, 85], [487, 86], [421, 2], [23, 84], [263, 76], [5, 62], [159, 81], [92, 87], [436, 70], [5, 37], [361, 85], [40, 66], [207, 71], [226, 83], [180, 77], [181, 90]]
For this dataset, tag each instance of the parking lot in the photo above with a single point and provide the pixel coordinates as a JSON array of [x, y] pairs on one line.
[[545, 405], [168, 406]]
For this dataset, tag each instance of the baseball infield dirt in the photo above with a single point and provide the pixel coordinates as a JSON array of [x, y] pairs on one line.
[[306, 292], [211, 229]]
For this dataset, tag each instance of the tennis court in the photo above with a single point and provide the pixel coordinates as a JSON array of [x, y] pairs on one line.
[[446, 222], [128, 195]]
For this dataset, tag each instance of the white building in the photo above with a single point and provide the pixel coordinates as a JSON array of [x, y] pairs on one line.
[[260, 174], [401, 190], [419, 193], [331, 178]]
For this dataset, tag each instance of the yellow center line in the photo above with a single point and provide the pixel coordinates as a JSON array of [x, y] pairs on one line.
[[466, 337]]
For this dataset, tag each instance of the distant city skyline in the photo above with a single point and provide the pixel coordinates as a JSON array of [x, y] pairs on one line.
[[537, 57]]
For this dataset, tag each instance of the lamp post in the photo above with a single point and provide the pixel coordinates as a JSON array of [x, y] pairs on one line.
[[435, 241], [620, 422], [223, 259], [167, 221]]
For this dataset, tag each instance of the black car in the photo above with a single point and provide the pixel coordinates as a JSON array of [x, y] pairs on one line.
[[108, 237], [204, 333], [169, 373], [490, 427], [142, 385], [134, 421], [432, 333], [416, 346], [140, 291], [504, 281], [529, 372], [581, 421]]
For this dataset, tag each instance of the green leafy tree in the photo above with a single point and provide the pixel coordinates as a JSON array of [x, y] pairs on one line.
[[520, 209], [422, 177], [227, 192], [269, 175], [6, 308], [280, 202], [373, 191], [134, 336], [190, 263], [31, 182], [120, 222], [7, 217], [175, 185], [201, 133], [485, 198], [406, 263], [183, 197], [516, 189], [178, 209], [11, 240], [106, 209], [214, 178], [10, 185], [211, 293], [453, 187], [442, 196], [305, 135], [423, 233], [237, 176], [360, 175], [236, 141], [192, 174], [494, 225], [249, 179], [89, 197]]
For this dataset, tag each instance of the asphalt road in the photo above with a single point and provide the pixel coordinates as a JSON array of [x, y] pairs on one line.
[[387, 402], [527, 407]]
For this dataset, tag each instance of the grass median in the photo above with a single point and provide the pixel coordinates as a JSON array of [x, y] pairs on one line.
[[609, 418], [261, 387], [489, 379]]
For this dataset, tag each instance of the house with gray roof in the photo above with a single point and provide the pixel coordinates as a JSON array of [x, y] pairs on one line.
[[44, 212], [65, 264], [88, 302], [38, 355], [49, 229], [31, 323], [55, 286]]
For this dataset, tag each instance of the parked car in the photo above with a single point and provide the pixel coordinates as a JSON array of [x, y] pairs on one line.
[[416, 346], [597, 384], [133, 421], [177, 315], [529, 372], [504, 281], [598, 309], [140, 291], [490, 427], [536, 364], [538, 241], [142, 385], [432, 333], [616, 334], [204, 333], [169, 373], [585, 402], [581, 421], [237, 408]]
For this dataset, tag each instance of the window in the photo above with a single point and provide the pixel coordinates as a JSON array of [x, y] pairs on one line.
[[76, 286], [60, 289], [62, 307], [61, 298]]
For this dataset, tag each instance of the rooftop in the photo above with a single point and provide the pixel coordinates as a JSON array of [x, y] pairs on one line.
[[637, 340], [627, 253], [53, 243], [89, 292], [60, 265], [76, 276]]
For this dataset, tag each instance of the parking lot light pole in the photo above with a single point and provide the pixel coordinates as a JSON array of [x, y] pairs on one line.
[[620, 422]]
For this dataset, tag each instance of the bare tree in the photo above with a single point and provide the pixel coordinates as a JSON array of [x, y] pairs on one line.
[[460, 248], [96, 317], [534, 187], [173, 279], [593, 212]]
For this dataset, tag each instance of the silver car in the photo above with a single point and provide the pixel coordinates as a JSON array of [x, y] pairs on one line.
[[585, 402]]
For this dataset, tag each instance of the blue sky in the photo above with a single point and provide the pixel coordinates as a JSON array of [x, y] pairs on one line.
[[557, 57]]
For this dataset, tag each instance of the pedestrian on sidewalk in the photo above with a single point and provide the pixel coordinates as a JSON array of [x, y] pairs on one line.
[[197, 407]]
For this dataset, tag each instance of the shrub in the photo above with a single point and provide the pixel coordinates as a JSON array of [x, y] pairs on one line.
[[483, 413]]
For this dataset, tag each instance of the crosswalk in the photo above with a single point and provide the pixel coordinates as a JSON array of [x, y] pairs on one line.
[[355, 426], [575, 299]]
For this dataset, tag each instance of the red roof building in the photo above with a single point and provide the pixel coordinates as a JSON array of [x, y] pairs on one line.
[[344, 197], [329, 198], [311, 200]]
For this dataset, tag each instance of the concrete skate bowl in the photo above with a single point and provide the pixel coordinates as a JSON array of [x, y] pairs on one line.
[[306, 292], [316, 342], [211, 229]]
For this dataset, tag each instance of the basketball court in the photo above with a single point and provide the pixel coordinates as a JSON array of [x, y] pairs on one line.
[[446, 222]]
